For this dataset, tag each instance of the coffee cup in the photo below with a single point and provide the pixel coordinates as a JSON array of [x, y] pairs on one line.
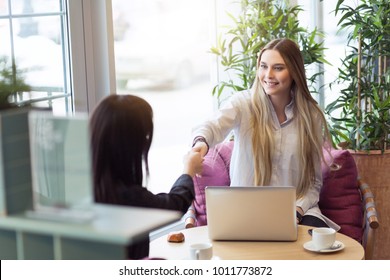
[[323, 238], [201, 251]]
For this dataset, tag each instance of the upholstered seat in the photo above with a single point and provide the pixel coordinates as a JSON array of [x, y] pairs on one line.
[[344, 198]]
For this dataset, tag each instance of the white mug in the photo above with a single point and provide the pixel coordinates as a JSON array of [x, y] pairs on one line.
[[323, 238], [201, 251]]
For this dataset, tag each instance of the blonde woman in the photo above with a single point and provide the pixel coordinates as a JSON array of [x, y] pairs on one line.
[[279, 131]]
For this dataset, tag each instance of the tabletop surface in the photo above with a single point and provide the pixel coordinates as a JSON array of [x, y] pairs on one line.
[[114, 224], [247, 250]]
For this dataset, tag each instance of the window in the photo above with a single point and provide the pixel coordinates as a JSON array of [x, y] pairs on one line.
[[152, 40], [34, 35], [161, 54], [316, 13], [66, 47]]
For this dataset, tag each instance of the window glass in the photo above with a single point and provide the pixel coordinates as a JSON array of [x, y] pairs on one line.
[[334, 41], [33, 34], [3, 7], [5, 46], [40, 51], [35, 6], [154, 38], [162, 54]]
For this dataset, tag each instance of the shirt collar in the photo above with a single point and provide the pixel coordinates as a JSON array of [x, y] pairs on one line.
[[289, 111]]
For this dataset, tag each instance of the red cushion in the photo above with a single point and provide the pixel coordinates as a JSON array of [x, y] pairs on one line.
[[340, 198], [215, 173]]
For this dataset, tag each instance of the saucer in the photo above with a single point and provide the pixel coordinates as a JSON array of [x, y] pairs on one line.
[[214, 258], [310, 247]]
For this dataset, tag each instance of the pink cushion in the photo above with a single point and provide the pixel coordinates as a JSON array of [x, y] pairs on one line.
[[215, 173], [340, 198]]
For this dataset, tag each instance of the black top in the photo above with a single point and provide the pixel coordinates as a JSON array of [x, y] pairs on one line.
[[179, 198]]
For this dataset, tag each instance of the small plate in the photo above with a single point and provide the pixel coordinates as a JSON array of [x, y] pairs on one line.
[[214, 258], [310, 247]]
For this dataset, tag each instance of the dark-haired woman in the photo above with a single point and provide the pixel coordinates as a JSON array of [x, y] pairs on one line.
[[121, 128]]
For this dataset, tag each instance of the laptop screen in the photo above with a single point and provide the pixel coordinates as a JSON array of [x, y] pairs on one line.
[[61, 161]]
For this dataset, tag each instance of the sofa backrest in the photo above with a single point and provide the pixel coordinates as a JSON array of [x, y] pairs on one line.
[[340, 198]]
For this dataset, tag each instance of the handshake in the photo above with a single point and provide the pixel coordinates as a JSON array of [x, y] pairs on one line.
[[193, 163], [194, 159]]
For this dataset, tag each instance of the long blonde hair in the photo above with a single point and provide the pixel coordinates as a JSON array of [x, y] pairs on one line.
[[306, 111]]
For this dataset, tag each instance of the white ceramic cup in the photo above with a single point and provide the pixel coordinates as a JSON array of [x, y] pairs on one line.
[[323, 238], [201, 251]]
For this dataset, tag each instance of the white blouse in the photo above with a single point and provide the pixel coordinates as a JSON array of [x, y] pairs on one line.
[[235, 117]]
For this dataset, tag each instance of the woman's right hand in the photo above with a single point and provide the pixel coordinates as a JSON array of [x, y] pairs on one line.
[[200, 147], [193, 163]]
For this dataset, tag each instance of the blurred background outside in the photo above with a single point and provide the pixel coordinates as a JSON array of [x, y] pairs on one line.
[[161, 52]]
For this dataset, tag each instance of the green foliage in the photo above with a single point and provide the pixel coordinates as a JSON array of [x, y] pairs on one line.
[[360, 115], [11, 82], [260, 22]]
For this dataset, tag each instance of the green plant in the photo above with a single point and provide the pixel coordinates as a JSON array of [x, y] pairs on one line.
[[11, 83], [360, 116], [259, 22]]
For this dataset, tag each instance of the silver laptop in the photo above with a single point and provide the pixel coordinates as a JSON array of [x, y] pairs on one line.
[[251, 213]]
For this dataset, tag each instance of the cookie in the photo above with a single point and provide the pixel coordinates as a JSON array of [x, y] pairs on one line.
[[176, 237]]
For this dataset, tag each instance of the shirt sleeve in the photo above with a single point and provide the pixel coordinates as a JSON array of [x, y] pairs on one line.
[[217, 129], [313, 195], [179, 197]]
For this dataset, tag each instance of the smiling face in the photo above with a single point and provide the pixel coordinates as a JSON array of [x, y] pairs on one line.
[[274, 75]]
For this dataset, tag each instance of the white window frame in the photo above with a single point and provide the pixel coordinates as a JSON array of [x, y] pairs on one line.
[[92, 52]]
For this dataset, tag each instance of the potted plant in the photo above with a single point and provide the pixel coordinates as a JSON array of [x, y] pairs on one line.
[[11, 83], [259, 22], [360, 116], [15, 173]]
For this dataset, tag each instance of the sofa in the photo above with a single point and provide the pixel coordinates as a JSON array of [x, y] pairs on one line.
[[341, 196]]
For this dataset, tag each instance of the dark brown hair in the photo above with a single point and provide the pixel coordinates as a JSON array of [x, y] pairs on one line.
[[121, 129]]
